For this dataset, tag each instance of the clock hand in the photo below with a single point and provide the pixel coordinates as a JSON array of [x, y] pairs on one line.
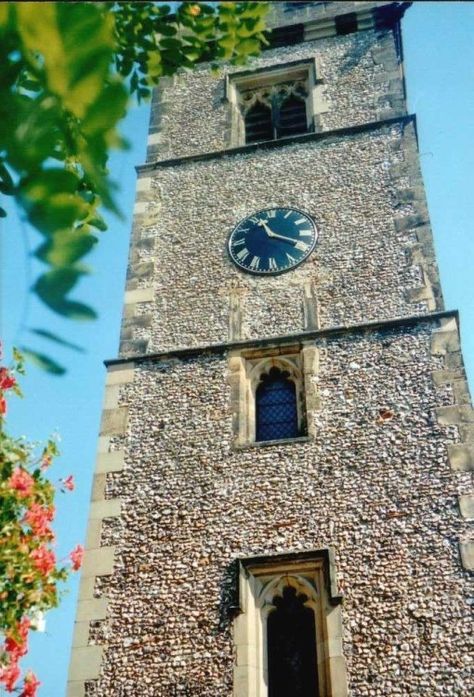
[[270, 233]]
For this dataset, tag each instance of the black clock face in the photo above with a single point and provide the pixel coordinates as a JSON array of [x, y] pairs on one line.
[[272, 241]]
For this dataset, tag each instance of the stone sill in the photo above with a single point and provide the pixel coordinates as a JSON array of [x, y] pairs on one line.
[[265, 443]]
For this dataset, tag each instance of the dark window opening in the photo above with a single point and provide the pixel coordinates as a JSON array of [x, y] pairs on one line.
[[258, 123], [291, 637], [292, 117], [276, 407], [286, 36], [346, 24], [276, 113]]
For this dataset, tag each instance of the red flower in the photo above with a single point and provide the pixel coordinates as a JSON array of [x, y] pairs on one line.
[[9, 676], [38, 518], [22, 482], [76, 557], [17, 645], [3, 405], [7, 381], [44, 559], [68, 483], [31, 685]]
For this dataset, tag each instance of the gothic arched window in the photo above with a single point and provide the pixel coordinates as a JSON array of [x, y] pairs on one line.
[[276, 408], [291, 647], [258, 123], [292, 117]]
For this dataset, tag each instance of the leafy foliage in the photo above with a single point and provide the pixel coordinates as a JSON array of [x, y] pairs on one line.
[[66, 73], [29, 571]]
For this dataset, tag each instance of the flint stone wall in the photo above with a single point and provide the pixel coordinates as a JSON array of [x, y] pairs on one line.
[[361, 83], [373, 260], [380, 492]]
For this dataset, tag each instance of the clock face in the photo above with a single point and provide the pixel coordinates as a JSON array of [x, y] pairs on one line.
[[272, 241]]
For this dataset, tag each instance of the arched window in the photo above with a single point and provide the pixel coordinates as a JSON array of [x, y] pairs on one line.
[[258, 123], [292, 117], [276, 407], [291, 647]]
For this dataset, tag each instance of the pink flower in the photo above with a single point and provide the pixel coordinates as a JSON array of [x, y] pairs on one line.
[[68, 483], [31, 685], [7, 381], [44, 559], [17, 646], [38, 518], [22, 482], [76, 557], [9, 676], [46, 460]]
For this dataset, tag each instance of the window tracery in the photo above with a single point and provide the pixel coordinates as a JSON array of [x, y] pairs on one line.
[[274, 111]]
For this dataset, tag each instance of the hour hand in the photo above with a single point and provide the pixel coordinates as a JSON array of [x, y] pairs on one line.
[[266, 228]]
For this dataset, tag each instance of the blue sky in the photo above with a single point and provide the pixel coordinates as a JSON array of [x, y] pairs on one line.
[[439, 64]]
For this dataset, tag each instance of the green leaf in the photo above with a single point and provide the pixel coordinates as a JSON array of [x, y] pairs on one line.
[[66, 247], [57, 339], [109, 108], [76, 41], [52, 201], [3, 213], [43, 184], [75, 310], [54, 285], [44, 362]]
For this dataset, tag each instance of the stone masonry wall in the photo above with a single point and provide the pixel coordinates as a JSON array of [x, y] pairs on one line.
[[361, 83], [380, 491], [374, 258]]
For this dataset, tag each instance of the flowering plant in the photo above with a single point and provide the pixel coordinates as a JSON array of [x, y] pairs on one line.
[[29, 570]]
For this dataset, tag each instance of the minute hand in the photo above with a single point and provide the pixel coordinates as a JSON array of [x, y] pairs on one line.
[[270, 233]]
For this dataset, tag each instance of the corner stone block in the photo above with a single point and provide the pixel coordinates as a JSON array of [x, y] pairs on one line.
[[85, 663], [120, 375], [461, 457], [114, 421], [454, 415], [98, 562], [76, 689], [467, 554], [95, 609], [110, 462], [139, 295], [110, 508], [81, 634], [444, 342], [466, 505]]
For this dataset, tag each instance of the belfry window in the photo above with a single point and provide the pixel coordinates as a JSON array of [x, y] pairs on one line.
[[274, 103], [276, 407], [274, 112]]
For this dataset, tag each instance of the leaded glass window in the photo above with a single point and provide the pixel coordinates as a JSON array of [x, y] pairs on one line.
[[291, 636], [276, 407]]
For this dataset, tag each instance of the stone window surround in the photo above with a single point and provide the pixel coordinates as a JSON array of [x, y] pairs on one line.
[[246, 369], [260, 579], [305, 70]]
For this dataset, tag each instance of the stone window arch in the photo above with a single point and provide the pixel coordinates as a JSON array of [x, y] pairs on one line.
[[248, 368], [277, 88], [308, 578]]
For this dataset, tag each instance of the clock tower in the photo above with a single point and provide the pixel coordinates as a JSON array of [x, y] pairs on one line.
[[281, 499]]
